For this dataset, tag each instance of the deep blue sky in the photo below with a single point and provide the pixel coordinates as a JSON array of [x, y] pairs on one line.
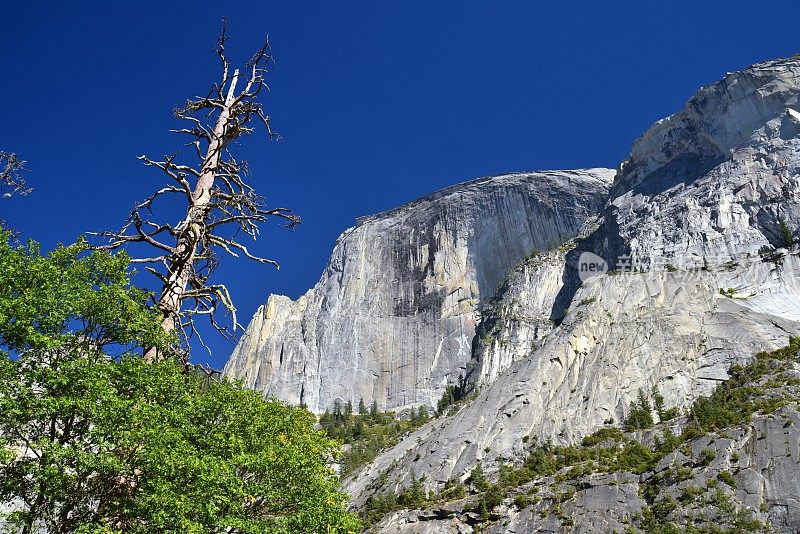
[[378, 103]]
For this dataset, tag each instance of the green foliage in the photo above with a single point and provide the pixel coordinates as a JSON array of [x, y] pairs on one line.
[[664, 414], [421, 417], [706, 457], [97, 440], [691, 494], [453, 490], [413, 496], [610, 450], [787, 236], [367, 434], [654, 520], [602, 435], [730, 292], [734, 401], [640, 414], [727, 478], [488, 500], [668, 441], [451, 396], [521, 501], [69, 298], [378, 506], [477, 478], [635, 458]]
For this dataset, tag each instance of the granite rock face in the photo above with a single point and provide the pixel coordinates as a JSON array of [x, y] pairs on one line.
[[393, 317], [671, 330], [753, 469], [716, 179], [691, 227], [484, 279]]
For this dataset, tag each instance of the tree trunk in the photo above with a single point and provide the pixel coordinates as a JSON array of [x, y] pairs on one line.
[[182, 261]]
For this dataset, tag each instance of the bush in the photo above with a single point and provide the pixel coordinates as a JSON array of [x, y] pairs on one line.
[[414, 496], [477, 479], [707, 456], [664, 414], [521, 501], [111, 443], [602, 435], [453, 490], [727, 478], [640, 414], [452, 395], [668, 442], [635, 458], [787, 235]]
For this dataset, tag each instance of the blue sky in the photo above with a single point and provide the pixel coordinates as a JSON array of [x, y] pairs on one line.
[[378, 103]]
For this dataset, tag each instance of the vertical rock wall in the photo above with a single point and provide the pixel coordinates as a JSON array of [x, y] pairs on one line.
[[393, 317]]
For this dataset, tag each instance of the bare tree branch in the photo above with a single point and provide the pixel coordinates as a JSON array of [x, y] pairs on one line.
[[217, 200], [12, 175]]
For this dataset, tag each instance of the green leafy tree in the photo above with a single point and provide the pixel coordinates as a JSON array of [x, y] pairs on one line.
[[94, 439], [786, 234], [640, 414], [362, 408], [419, 417]]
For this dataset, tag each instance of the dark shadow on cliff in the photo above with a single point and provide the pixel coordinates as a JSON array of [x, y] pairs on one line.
[[605, 242], [684, 169]]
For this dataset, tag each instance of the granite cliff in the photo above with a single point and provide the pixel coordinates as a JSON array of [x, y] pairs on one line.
[[393, 317], [484, 279]]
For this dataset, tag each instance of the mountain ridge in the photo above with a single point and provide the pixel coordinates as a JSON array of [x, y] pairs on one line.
[[698, 229]]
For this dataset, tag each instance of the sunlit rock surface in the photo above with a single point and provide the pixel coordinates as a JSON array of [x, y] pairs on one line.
[[761, 457], [393, 317], [699, 207], [698, 232]]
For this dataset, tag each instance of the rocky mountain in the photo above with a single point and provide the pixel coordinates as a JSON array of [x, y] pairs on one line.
[[694, 242], [393, 317]]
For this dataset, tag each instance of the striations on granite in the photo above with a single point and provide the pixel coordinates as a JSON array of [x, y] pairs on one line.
[[698, 208], [393, 317], [482, 279], [760, 457]]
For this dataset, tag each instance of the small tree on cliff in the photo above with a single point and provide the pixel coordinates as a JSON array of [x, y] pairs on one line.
[[218, 202]]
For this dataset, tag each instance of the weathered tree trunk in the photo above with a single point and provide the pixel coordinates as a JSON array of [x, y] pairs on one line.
[[181, 263], [220, 198]]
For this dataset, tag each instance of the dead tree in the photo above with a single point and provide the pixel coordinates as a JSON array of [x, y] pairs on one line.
[[220, 205], [12, 179]]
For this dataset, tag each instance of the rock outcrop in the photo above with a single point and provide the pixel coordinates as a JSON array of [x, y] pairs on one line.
[[752, 471], [690, 232], [393, 317], [716, 179], [484, 279], [729, 466]]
